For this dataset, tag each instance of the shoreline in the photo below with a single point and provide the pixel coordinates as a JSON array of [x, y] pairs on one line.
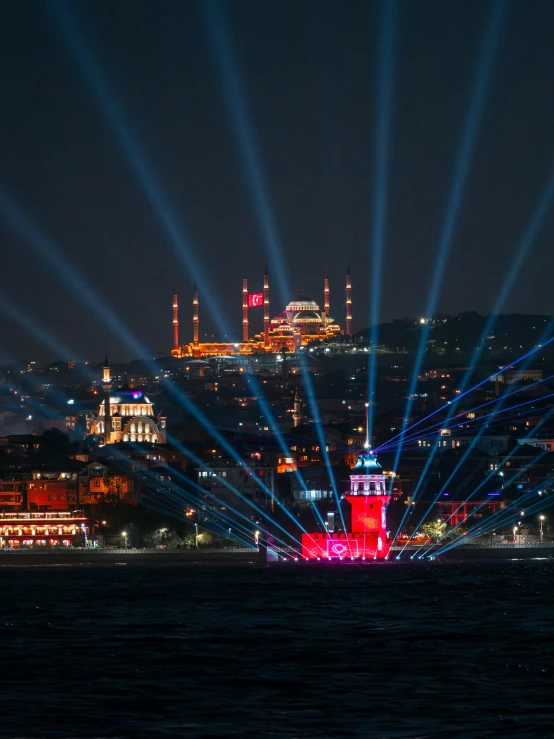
[[103, 557], [222, 557]]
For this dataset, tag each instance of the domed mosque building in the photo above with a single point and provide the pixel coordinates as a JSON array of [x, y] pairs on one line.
[[126, 414], [302, 321]]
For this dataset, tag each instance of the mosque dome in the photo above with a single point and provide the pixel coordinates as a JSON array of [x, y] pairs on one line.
[[302, 303], [307, 315], [128, 394]]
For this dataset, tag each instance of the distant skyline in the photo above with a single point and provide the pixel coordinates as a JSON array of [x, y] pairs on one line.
[[119, 143]]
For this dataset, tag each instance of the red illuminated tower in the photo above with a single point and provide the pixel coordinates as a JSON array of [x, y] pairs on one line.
[[266, 307], [326, 308], [348, 304], [175, 351], [367, 538], [195, 315], [245, 310]]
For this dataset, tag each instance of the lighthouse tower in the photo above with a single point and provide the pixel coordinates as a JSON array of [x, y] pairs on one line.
[[367, 538], [368, 500]]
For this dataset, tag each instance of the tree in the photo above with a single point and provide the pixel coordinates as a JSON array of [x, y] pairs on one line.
[[79, 539], [440, 530], [115, 484], [434, 529], [163, 537], [56, 440]]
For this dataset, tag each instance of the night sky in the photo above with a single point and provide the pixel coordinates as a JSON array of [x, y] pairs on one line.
[[82, 162]]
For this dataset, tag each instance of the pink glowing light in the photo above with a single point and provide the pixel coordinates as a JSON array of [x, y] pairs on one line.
[[341, 548]]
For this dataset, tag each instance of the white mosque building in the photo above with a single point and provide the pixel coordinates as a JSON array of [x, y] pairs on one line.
[[126, 414]]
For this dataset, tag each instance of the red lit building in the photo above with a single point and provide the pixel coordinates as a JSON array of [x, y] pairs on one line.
[[98, 481], [52, 491], [367, 539], [457, 512], [12, 495]]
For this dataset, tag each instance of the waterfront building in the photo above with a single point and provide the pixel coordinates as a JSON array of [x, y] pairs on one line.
[[456, 512], [52, 528], [99, 481]]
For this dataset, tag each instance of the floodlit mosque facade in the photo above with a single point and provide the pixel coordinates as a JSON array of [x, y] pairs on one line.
[[126, 414], [367, 538], [301, 322]]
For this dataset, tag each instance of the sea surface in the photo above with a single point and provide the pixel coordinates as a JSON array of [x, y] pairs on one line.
[[388, 650]]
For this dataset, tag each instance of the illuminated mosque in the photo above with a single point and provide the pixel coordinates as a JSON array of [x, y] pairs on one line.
[[125, 414], [301, 322]]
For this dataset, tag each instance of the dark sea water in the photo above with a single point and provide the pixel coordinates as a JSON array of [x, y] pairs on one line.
[[296, 650]]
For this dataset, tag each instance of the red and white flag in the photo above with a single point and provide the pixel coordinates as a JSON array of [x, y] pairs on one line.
[[255, 300]]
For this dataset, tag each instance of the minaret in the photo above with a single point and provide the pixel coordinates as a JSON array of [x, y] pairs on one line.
[[175, 351], [296, 410], [195, 314], [107, 386], [245, 310], [326, 294], [348, 304], [266, 308]]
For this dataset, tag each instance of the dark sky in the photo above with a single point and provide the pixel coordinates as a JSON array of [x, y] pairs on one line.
[[308, 71]]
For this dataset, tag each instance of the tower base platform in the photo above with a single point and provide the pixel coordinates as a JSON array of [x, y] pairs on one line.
[[355, 545]]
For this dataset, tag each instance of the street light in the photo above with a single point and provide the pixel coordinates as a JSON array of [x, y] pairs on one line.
[[124, 535], [541, 520], [196, 535], [515, 530]]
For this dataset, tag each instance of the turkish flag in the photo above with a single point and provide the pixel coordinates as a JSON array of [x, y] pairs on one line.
[[255, 300]]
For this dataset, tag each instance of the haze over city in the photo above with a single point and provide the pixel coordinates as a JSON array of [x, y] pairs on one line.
[[277, 368], [252, 129]]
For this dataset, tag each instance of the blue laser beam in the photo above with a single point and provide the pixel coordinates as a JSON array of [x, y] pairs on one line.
[[430, 431], [48, 251], [219, 36], [459, 397], [504, 517], [477, 508], [174, 230], [493, 473], [527, 241], [385, 83], [482, 79], [314, 412], [45, 337], [258, 481]]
